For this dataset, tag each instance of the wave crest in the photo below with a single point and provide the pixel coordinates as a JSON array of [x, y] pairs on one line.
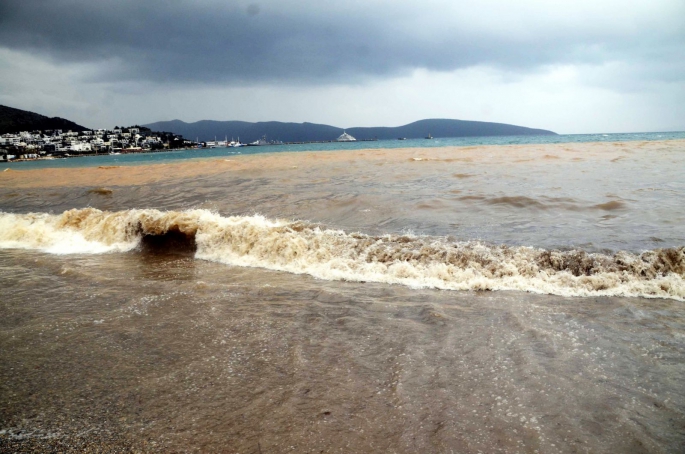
[[306, 248]]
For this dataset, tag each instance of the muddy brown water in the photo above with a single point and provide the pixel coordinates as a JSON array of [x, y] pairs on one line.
[[154, 349]]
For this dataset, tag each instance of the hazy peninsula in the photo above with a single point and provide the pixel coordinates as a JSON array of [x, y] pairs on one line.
[[302, 132]]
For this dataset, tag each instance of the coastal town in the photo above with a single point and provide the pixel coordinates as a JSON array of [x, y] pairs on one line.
[[56, 143], [52, 144]]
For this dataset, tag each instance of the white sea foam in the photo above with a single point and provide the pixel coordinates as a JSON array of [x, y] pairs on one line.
[[305, 248], [45, 232]]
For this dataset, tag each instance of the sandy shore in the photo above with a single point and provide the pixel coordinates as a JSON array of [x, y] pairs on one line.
[[253, 165]]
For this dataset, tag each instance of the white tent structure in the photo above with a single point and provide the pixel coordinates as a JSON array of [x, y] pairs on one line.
[[345, 137]]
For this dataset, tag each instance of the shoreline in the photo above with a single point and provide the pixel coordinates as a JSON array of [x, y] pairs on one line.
[[280, 161], [92, 155], [434, 143]]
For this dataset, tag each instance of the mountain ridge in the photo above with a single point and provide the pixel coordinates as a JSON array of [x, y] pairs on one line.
[[14, 120], [303, 132]]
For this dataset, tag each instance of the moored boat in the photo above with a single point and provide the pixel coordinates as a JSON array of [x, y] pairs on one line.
[[259, 143]]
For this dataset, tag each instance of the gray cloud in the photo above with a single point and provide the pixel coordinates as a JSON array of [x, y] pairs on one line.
[[320, 42]]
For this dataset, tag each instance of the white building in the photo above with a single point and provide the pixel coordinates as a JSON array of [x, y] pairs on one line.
[[80, 146]]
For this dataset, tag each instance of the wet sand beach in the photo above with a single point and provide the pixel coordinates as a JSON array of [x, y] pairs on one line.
[[306, 302]]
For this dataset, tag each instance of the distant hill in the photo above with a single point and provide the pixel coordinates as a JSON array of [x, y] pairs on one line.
[[447, 128], [16, 120], [302, 132], [248, 132]]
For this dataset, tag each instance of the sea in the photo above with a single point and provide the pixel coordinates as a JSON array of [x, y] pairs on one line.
[[503, 294]]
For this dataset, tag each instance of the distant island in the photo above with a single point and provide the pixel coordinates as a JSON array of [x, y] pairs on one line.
[[29, 135], [206, 130]]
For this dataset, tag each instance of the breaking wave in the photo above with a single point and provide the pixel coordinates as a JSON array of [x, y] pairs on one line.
[[307, 248]]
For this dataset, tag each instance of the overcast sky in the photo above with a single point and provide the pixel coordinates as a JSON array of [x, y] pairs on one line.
[[569, 66]]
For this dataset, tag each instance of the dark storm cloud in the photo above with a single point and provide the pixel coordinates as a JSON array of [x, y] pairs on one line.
[[310, 41]]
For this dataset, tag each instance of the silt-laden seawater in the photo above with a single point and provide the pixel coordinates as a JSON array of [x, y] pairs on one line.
[[240, 333]]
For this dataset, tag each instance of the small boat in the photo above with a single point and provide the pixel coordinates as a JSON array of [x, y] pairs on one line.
[[429, 136], [235, 144], [402, 138], [259, 143], [345, 137]]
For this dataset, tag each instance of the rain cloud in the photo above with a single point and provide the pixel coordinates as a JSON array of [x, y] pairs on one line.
[[568, 66], [321, 42]]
